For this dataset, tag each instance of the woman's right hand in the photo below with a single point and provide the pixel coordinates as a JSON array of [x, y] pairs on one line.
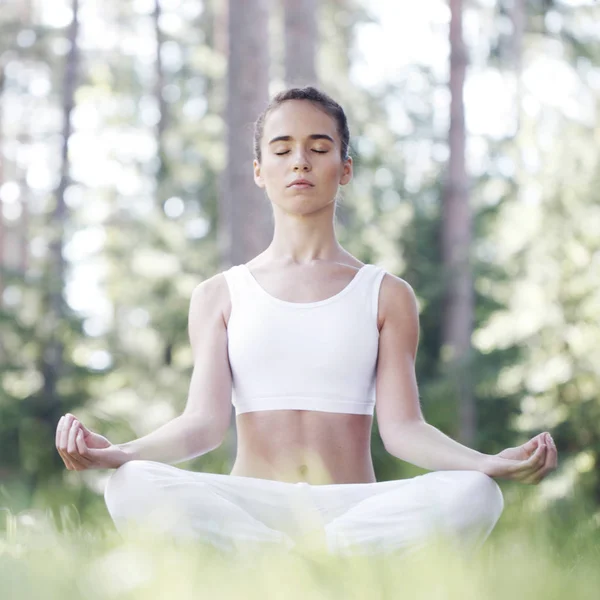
[[83, 449]]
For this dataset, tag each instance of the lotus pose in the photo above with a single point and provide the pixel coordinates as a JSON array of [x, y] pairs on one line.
[[306, 342]]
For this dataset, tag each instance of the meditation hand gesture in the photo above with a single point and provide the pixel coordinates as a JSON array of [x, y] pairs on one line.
[[83, 449], [528, 463]]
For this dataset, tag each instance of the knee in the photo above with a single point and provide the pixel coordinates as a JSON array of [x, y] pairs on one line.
[[480, 496], [490, 494], [124, 483]]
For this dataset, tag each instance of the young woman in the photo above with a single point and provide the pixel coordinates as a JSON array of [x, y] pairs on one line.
[[310, 342]]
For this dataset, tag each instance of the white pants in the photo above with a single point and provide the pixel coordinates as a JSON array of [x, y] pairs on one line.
[[230, 511]]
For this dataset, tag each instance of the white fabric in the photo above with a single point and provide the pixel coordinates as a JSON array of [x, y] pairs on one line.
[[230, 512], [304, 356]]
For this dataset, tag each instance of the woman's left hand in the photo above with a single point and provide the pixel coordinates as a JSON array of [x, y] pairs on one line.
[[528, 463]]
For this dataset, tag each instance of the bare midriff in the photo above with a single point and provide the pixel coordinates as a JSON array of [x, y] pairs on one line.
[[299, 445], [315, 447]]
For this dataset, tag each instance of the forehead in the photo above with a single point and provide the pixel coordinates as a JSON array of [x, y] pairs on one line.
[[298, 118]]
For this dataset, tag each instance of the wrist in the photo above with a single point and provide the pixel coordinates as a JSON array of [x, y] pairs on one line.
[[127, 452], [486, 464]]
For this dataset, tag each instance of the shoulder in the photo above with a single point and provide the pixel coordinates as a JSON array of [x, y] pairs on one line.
[[397, 301], [211, 297]]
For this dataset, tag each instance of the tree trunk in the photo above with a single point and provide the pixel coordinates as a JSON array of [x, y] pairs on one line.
[[456, 240], [24, 233], [245, 211], [162, 105], [245, 215], [52, 360], [301, 37], [2, 79], [516, 12]]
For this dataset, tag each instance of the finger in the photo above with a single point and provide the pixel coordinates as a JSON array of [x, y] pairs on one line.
[[532, 475], [58, 431], [533, 463], [63, 439], [82, 449], [70, 449], [84, 429], [550, 459], [540, 464], [69, 454], [552, 455], [520, 470], [537, 477], [66, 427], [532, 445], [73, 450]]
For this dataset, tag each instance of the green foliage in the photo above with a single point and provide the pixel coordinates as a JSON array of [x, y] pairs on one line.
[[529, 556], [535, 361]]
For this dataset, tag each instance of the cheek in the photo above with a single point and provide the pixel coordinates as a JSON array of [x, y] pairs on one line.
[[270, 171], [332, 171]]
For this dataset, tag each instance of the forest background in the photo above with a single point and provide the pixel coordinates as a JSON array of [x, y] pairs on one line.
[[125, 181]]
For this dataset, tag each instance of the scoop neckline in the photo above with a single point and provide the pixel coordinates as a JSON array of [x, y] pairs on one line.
[[333, 298]]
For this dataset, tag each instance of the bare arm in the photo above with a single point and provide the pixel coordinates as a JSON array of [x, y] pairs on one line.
[[403, 429], [204, 422], [180, 439]]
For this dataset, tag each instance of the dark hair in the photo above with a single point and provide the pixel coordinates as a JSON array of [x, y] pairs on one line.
[[325, 102]]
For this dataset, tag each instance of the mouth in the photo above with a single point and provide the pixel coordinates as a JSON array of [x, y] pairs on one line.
[[300, 184]]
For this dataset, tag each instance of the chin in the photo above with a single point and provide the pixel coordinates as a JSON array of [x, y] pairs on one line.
[[303, 206]]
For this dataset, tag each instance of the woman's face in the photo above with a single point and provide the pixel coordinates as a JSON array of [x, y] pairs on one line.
[[300, 141]]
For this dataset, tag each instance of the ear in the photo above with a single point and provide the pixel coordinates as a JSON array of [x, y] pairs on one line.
[[347, 171], [257, 176]]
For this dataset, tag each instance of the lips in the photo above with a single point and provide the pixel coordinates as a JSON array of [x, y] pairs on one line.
[[300, 182]]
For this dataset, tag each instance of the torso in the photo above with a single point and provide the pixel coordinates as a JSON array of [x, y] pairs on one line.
[[302, 445]]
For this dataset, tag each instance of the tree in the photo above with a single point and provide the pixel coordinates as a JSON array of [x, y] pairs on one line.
[[301, 40], [457, 314], [245, 216], [52, 359], [245, 219]]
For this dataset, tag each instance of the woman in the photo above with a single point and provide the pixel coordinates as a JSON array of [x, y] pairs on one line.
[[306, 337]]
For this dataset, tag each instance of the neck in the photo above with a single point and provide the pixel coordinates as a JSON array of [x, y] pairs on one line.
[[304, 238]]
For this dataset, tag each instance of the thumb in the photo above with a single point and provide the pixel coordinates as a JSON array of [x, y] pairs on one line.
[[532, 445], [84, 428], [539, 450]]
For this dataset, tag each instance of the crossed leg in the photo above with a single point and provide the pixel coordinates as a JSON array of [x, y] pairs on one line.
[[462, 506], [232, 512], [183, 505]]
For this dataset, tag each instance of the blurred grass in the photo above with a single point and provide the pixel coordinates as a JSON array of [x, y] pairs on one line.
[[550, 554]]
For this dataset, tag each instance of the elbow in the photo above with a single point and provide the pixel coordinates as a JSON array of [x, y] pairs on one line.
[[395, 435], [213, 436], [389, 437], [206, 434], [391, 445], [216, 440]]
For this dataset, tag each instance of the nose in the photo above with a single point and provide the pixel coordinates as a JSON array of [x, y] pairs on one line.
[[301, 162]]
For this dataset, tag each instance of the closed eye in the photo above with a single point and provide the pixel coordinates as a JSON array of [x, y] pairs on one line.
[[317, 151]]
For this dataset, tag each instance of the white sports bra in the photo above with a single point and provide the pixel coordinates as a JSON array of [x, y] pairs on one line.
[[304, 356]]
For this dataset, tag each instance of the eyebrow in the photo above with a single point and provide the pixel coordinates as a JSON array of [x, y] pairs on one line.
[[314, 136]]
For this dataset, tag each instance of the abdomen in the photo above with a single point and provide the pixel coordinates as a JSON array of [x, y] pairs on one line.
[[296, 445]]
